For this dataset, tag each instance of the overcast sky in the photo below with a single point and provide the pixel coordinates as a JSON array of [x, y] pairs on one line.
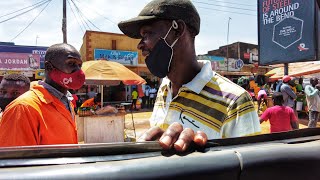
[[105, 14]]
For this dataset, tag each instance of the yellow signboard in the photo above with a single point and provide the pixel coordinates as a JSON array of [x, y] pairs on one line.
[[39, 74]]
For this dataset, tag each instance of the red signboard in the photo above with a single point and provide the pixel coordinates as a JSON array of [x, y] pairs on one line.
[[246, 55], [19, 61]]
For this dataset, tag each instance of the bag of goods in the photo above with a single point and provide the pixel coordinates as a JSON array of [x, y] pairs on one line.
[[106, 110]]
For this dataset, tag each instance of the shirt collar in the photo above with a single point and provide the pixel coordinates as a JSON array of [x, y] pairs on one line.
[[199, 81], [53, 91], [202, 78]]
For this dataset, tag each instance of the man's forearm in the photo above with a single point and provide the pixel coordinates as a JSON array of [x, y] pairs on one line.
[[295, 125]]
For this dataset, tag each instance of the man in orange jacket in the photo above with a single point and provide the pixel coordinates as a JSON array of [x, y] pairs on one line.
[[93, 102], [11, 87], [45, 114]]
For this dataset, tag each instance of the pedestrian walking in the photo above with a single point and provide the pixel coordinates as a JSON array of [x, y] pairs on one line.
[[281, 118], [134, 97], [288, 94], [313, 101], [152, 95]]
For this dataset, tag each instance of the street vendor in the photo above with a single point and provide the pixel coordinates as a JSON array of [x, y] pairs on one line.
[[94, 102]]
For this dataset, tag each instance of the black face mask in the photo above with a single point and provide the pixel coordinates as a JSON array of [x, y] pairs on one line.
[[159, 59], [4, 102]]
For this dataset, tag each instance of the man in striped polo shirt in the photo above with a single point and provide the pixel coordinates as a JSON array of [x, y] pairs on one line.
[[193, 102]]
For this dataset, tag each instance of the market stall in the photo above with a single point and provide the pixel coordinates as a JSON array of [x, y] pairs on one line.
[[107, 123], [301, 69]]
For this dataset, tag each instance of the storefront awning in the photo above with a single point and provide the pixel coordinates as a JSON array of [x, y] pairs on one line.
[[295, 69], [235, 73]]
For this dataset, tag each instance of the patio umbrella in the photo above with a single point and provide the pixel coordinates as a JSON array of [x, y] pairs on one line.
[[274, 71], [109, 73], [102, 72]]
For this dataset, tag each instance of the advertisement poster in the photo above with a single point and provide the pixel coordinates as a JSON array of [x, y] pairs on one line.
[[286, 31], [122, 57], [19, 61], [220, 63], [32, 50], [39, 74]]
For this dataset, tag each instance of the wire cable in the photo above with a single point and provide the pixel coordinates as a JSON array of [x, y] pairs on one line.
[[85, 16], [24, 12], [231, 7], [94, 10], [226, 11], [83, 29], [22, 9], [81, 17], [233, 3], [32, 21]]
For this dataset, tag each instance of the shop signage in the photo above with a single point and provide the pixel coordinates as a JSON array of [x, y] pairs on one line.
[[19, 61], [220, 63], [238, 64], [33, 50], [287, 31], [26, 73], [39, 74], [122, 57]]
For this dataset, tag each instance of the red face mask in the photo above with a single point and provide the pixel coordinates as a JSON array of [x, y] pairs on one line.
[[69, 81]]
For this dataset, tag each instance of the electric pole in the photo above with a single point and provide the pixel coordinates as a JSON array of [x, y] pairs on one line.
[[228, 44], [37, 39], [64, 21]]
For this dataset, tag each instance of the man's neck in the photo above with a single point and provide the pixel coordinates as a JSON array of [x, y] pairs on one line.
[[56, 86], [183, 74], [184, 65]]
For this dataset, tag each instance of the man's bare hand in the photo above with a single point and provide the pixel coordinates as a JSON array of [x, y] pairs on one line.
[[175, 136]]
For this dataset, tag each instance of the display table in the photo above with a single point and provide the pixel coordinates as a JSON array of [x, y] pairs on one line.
[[101, 129]]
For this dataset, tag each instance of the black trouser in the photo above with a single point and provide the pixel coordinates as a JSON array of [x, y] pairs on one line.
[[143, 104], [134, 102], [147, 101], [151, 102]]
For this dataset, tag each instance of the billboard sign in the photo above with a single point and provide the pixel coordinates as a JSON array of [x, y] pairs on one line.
[[35, 51], [122, 57], [220, 63], [16, 61], [287, 31]]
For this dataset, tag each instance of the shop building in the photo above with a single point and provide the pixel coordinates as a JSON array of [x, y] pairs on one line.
[[235, 60], [119, 48]]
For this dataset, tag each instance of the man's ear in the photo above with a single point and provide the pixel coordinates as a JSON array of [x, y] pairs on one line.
[[48, 66], [182, 27]]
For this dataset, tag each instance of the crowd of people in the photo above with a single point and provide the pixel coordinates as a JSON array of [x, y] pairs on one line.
[[284, 93], [145, 94], [192, 104]]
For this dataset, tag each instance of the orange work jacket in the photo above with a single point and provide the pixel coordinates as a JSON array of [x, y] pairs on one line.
[[37, 118], [90, 103]]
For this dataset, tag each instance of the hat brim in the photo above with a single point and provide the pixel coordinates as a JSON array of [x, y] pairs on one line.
[[132, 26]]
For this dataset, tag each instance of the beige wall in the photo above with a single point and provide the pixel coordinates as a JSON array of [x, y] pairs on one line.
[[103, 40]]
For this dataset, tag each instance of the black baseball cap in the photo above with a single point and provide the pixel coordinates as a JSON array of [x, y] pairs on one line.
[[162, 10]]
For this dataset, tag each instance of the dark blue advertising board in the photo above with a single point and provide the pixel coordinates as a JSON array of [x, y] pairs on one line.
[[26, 49], [288, 31]]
